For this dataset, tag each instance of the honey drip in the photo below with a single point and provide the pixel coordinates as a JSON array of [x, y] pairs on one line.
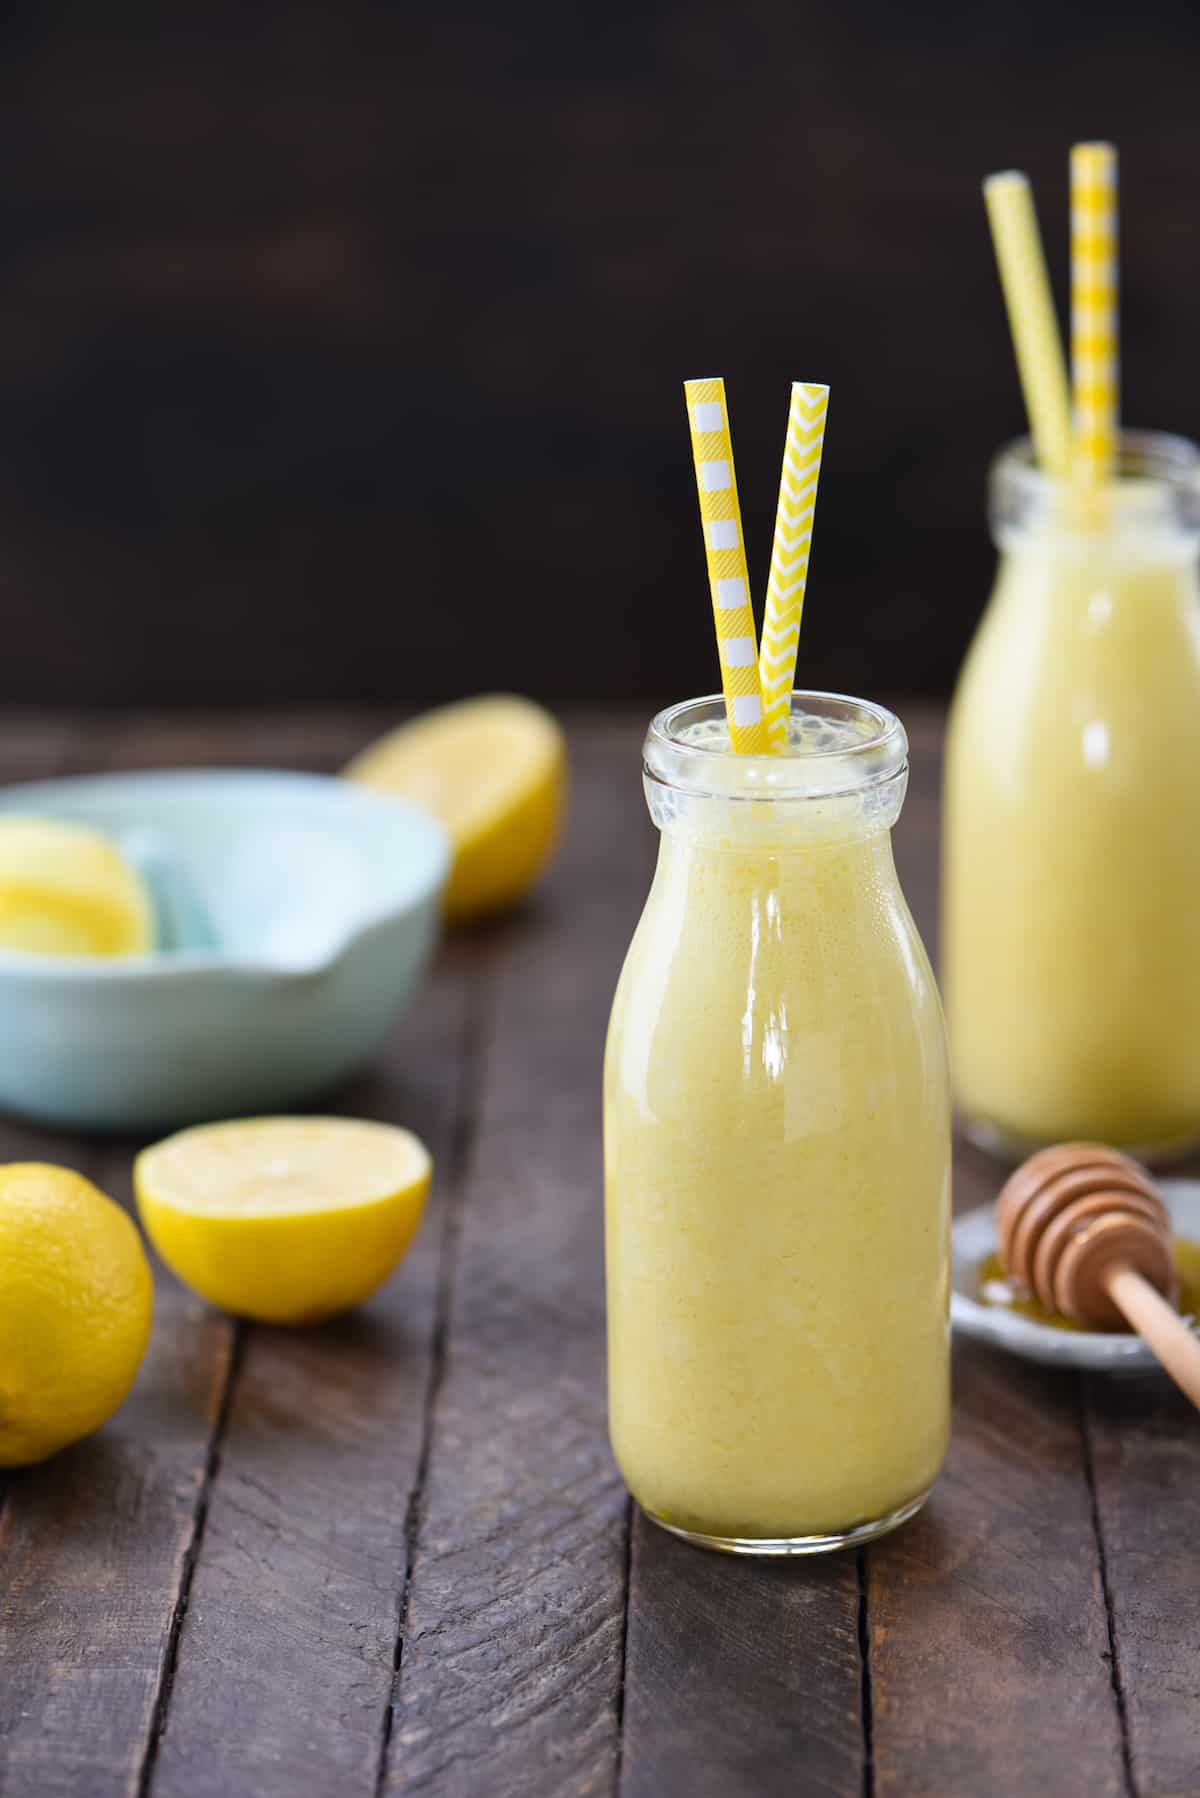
[[996, 1289]]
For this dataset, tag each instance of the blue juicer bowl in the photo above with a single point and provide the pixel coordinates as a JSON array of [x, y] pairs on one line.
[[296, 914]]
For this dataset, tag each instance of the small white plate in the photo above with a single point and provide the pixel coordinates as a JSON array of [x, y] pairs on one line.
[[974, 1239]]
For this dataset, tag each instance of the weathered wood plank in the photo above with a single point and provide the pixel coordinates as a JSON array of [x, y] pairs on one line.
[[511, 1657], [93, 1543], [285, 1659], [743, 1679], [1145, 1464], [988, 1636], [93, 1546]]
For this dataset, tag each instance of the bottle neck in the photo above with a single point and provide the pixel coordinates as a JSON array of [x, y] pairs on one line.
[[1124, 545], [1147, 516], [786, 823], [729, 847]]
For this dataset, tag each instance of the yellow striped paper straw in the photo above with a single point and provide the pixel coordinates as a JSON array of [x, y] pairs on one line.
[[724, 548], [1031, 318], [790, 550], [1094, 346]]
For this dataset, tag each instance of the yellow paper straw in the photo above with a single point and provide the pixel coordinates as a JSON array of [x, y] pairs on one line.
[[789, 555], [724, 548], [1094, 345], [1031, 318]]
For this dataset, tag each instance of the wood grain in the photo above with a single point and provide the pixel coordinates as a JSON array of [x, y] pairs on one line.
[[285, 1658], [988, 1634], [94, 1543], [93, 1546], [742, 1679], [511, 1658], [1144, 1442]]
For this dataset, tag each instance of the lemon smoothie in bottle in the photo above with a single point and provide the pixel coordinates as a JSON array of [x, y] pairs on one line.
[[777, 1146], [1071, 852], [1072, 813]]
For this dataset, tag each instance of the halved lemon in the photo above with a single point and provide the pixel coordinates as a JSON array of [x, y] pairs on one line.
[[67, 890], [493, 771], [287, 1220]]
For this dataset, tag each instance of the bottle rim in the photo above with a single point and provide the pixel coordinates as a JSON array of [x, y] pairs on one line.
[[1149, 465], [872, 750]]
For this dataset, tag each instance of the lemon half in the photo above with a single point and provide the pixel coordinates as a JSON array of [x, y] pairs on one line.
[[287, 1220], [67, 890], [76, 1299], [493, 771]]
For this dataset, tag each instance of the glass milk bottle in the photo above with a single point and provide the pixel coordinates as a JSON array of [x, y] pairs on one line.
[[777, 1146], [1071, 903]]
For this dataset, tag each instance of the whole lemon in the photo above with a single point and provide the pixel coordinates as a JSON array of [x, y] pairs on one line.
[[76, 1300]]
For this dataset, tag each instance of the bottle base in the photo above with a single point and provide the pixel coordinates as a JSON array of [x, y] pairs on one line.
[[778, 1546], [1012, 1147]]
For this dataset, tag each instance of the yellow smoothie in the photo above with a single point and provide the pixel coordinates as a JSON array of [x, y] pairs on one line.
[[1072, 834], [777, 1165]]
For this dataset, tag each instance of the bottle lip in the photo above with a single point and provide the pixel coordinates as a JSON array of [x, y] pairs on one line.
[[1150, 466], [862, 746]]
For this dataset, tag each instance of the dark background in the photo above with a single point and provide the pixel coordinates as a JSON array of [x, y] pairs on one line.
[[341, 345]]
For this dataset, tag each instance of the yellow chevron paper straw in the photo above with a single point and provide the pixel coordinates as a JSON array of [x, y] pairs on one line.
[[1094, 345], [788, 578], [724, 548], [1031, 318]]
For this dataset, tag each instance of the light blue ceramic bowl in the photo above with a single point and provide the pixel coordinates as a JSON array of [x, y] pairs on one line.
[[296, 914]]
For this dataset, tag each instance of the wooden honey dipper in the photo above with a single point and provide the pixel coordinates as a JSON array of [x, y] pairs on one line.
[[1084, 1229]]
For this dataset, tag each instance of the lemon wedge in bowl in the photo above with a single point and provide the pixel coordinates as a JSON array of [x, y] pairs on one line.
[[66, 889], [493, 772], [286, 1220]]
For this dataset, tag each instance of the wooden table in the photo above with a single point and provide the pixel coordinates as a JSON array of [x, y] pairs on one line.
[[393, 1554]]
